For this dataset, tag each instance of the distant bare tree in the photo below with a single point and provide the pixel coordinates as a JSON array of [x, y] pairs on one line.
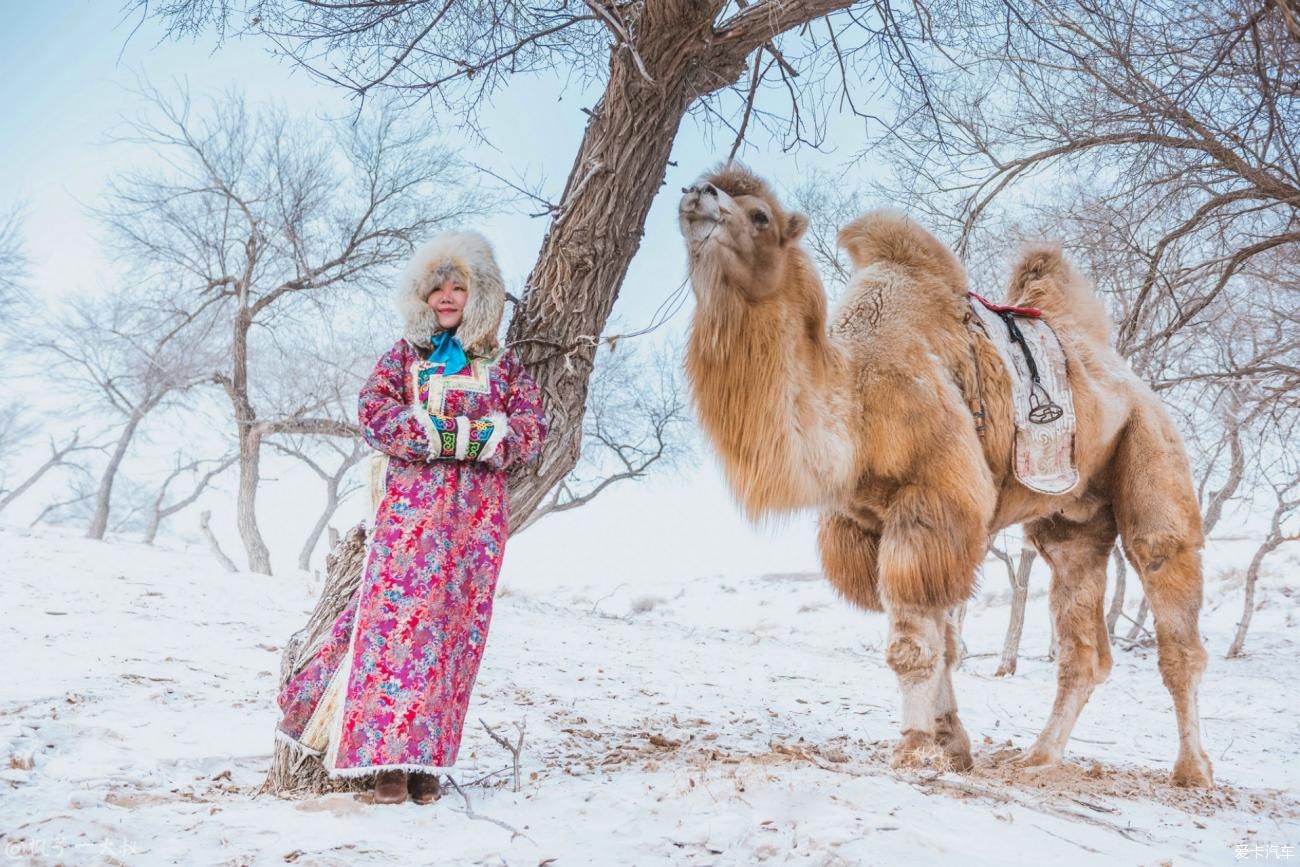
[[200, 472], [280, 223], [1283, 527], [60, 456], [127, 354], [332, 460]]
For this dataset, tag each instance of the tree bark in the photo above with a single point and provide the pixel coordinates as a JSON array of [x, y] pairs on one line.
[[1016, 626], [259, 557]]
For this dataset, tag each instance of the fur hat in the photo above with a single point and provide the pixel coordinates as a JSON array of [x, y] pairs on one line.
[[464, 256]]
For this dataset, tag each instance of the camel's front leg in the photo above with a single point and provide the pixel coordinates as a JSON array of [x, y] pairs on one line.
[[948, 730], [915, 652]]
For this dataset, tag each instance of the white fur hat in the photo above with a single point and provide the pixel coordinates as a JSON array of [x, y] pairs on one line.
[[466, 256]]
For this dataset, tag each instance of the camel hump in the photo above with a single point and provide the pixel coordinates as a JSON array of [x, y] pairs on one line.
[[887, 235], [1043, 279]]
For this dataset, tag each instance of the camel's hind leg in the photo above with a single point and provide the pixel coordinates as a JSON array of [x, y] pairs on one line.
[[1077, 553], [1160, 523]]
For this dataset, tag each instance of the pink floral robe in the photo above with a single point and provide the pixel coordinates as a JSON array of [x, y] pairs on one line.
[[390, 686]]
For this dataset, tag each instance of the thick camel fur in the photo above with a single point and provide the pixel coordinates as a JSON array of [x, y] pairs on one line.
[[865, 414]]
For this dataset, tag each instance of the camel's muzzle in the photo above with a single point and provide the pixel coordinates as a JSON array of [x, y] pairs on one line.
[[700, 210]]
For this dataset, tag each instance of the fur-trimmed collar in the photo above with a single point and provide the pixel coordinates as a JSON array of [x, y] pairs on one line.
[[466, 256]]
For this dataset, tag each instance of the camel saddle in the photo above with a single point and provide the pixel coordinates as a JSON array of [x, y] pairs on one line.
[[1042, 403]]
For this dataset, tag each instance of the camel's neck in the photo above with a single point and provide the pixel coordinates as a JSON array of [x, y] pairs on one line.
[[768, 385]]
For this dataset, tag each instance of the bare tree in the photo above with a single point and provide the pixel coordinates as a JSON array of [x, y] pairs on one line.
[[60, 454], [201, 472], [636, 423], [334, 469], [277, 222], [658, 62], [1183, 118], [128, 355], [1282, 529]]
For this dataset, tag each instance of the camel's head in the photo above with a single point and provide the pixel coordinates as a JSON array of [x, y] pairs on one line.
[[737, 234]]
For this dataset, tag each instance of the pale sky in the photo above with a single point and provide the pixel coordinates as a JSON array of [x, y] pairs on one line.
[[66, 78]]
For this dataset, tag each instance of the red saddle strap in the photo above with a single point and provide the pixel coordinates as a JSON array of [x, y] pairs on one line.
[[1032, 312]]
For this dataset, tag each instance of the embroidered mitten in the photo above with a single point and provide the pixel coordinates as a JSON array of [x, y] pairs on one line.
[[447, 430], [467, 439]]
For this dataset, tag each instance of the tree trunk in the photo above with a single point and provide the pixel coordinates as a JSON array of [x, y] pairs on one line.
[[331, 506], [1248, 605], [151, 529], [293, 772], [250, 447], [250, 442], [1016, 627], [1117, 600], [104, 497]]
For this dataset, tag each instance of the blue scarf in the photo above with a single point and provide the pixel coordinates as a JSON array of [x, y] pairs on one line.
[[448, 352]]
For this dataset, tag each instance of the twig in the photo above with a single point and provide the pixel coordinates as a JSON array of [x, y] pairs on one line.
[[514, 750], [469, 813]]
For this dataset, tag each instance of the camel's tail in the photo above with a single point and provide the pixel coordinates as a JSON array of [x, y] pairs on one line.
[[1043, 279], [891, 236]]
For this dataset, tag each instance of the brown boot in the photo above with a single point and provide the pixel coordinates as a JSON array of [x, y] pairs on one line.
[[424, 788], [390, 787]]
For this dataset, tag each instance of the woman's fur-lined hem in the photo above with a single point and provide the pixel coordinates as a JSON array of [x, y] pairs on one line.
[[342, 773]]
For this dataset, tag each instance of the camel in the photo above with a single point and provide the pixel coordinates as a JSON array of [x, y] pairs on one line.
[[867, 419]]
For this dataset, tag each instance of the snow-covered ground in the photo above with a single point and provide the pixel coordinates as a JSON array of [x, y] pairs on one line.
[[696, 721]]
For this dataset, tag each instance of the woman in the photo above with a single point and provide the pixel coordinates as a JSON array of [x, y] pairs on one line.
[[388, 690]]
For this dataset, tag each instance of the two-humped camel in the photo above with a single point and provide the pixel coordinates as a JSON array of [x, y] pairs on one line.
[[868, 421]]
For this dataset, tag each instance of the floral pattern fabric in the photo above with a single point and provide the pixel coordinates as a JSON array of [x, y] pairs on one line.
[[390, 686]]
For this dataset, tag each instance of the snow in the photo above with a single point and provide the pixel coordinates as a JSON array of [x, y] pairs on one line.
[[697, 721]]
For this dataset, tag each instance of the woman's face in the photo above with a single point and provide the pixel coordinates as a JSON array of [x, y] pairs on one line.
[[447, 300]]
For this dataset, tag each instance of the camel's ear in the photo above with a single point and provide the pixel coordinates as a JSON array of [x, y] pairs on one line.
[[795, 225]]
